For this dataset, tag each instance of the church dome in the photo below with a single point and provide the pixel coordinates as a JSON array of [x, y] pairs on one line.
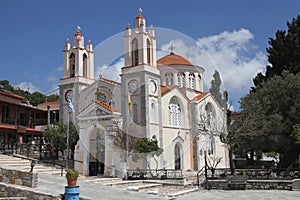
[[173, 59]]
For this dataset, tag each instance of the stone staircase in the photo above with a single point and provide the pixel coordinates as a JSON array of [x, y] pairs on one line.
[[24, 165]]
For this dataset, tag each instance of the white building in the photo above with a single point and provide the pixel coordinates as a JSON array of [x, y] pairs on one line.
[[167, 103]]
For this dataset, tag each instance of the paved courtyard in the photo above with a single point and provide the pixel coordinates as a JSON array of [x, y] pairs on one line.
[[242, 195], [55, 185]]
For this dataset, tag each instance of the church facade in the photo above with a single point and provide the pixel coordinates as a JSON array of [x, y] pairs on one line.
[[160, 99]]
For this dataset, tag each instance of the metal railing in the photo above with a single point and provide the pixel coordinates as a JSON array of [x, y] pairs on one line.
[[142, 174]]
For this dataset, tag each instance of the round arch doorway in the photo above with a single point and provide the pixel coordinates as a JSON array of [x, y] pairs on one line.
[[97, 152]]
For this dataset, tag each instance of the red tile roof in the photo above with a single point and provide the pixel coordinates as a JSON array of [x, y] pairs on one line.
[[200, 96], [3, 126], [105, 105], [49, 103], [173, 59], [12, 95], [166, 89], [111, 81], [34, 130]]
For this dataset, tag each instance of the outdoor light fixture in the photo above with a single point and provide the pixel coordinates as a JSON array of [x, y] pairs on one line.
[[32, 164]]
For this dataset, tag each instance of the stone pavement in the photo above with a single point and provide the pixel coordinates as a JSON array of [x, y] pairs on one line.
[[242, 195], [94, 191]]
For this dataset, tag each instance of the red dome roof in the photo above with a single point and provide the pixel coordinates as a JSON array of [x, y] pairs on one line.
[[173, 59]]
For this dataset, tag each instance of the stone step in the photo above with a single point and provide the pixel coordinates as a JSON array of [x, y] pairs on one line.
[[139, 188], [122, 183], [105, 180], [24, 164], [173, 195]]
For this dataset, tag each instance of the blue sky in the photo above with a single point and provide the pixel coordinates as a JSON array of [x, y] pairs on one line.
[[234, 34]]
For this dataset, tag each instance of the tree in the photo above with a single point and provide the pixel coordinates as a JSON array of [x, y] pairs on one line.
[[57, 135], [296, 133], [215, 89], [146, 148], [284, 52], [274, 108], [121, 137], [274, 100], [213, 162]]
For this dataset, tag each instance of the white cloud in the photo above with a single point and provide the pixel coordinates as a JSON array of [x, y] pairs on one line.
[[27, 86], [111, 72]]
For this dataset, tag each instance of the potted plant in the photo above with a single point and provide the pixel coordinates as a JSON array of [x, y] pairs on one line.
[[72, 176]]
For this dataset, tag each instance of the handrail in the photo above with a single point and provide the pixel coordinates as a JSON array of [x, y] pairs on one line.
[[198, 182]]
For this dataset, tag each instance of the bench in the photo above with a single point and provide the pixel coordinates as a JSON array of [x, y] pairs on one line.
[[237, 182]]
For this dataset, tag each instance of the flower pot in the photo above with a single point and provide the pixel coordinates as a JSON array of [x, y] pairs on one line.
[[72, 182]]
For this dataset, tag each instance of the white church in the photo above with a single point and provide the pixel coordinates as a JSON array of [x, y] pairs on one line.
[[161, 99]]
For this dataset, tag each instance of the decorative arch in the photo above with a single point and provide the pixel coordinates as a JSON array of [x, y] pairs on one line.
[[175, 113], [169, 78], [84, 65], [210, 115], [72, 64], [149, 56], [181, 79], [191, 81], [153, 112], [178, 156], [135, 52], [134, 113]]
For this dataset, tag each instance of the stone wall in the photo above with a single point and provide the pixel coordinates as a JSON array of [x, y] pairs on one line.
[[22, 192], [222, 184], [269, 184], [17, 177]]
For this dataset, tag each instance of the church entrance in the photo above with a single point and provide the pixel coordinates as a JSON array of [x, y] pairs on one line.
[[97, 152]]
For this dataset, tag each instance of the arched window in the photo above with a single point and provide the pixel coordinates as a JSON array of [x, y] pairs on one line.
[[181, 79], [153, 112], [135, 52], [84, 65], [199, 81], [175, 113], [169, 78], [191, 81], [72, 64], [209, 116], [148, 52], [134, 113], [178, 156]]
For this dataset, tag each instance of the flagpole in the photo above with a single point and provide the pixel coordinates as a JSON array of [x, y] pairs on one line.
[[69, 110], [68, 130], [127, 128]]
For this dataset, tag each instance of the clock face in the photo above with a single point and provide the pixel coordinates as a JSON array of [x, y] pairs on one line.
[[133, 85], [152, 86], [69, 95]]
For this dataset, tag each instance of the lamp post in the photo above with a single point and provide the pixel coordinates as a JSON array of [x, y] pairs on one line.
[[205, 163], [205, 152], [32, 164]]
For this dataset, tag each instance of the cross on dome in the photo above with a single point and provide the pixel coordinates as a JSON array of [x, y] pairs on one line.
[[172, 47], [78, 28]]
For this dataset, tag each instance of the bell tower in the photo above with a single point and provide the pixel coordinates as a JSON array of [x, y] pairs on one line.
[[140, 45], [78, 71], [140, 88]]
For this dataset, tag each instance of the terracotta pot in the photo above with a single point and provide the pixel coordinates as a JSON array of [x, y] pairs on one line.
[[72, 182]]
